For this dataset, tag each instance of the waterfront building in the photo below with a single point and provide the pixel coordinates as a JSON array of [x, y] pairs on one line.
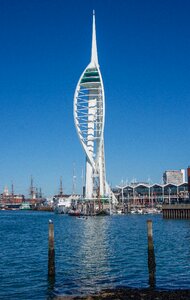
[[152, 194], [174, 176], [89, 117]]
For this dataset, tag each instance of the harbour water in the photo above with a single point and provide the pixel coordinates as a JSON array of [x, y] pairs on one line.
[[92, 254]]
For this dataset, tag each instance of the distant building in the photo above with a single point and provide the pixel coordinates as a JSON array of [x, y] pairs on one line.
[[174, 177], [152, 194]]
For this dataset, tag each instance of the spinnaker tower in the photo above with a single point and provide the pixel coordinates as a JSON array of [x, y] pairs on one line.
[[89, 117]]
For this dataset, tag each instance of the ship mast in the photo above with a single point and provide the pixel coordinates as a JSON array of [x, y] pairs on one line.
[[61, 187]]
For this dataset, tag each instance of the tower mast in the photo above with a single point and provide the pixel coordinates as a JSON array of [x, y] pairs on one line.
[[94, 52]]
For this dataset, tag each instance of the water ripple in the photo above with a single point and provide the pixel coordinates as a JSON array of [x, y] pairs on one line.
[[92, 254]]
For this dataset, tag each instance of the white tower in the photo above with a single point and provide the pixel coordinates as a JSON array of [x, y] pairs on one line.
[[89, 116]]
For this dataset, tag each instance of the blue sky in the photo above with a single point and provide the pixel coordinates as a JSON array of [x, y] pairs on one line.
[[144, 55]]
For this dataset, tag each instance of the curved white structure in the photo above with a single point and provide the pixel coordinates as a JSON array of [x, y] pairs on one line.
[[89, 117]]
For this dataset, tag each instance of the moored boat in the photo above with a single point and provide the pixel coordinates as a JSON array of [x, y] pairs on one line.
[[74, 212], [62, 205], [25, 206]]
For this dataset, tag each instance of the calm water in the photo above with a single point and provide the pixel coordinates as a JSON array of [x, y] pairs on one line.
[[92, 254]]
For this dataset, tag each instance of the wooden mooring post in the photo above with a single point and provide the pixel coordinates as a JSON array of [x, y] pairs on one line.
[[51, 251], [151, 256]]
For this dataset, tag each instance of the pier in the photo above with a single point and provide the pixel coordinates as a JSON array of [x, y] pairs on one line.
[[176, 211]]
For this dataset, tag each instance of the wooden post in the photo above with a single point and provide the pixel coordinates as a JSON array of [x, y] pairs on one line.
[[51, 251], [151, 256]]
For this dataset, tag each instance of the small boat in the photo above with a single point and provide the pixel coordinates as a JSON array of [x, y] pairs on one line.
[[74, 213], [103, 212], [25, 206], [82, 217], [153, 211]]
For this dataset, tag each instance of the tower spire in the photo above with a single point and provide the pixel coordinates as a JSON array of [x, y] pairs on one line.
[[89, 117], [94, 52]]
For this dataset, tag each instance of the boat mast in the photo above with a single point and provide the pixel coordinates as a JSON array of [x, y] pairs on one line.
[[61, 187]]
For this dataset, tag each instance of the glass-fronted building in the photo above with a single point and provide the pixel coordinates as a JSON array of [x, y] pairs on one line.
[[148, 195]]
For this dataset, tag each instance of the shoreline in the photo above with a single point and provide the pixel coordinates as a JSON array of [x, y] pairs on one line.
[[132, 293]]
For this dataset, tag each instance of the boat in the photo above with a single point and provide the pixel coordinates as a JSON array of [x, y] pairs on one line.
[[25, 206], [62, 204], [103, 212], [82, 217], [137, 211], [153, 211], [75, 212]]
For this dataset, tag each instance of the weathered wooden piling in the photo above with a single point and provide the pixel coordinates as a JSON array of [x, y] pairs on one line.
[[51, 251], [151, 256]]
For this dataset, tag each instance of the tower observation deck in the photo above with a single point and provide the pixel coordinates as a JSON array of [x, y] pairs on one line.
[[89, 117]]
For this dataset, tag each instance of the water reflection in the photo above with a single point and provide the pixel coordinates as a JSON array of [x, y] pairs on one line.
[[94, 251], [83, 255], [100, 252]]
